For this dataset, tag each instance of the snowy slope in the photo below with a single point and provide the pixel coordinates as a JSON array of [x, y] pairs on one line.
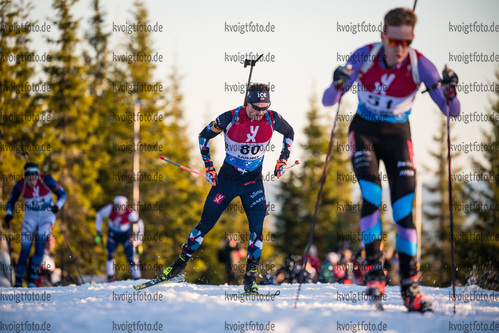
[[190, 308]]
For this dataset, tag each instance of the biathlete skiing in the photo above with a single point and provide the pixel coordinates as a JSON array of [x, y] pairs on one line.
[[247, 131], [389, 75], [39, 218], [120, 220]]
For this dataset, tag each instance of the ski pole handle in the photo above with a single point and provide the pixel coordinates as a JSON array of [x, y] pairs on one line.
[[292, 165], [183, 167]]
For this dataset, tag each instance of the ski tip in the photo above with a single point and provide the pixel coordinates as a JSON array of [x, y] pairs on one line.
[[297, 162], [162, 157]]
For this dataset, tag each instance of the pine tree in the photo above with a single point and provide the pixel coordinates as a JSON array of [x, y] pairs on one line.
[[436, 252], [483, 196], [74, 158], [20, 113], [171, 206]]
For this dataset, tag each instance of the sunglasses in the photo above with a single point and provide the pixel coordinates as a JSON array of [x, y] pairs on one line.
[[396, 42], [257, 108]]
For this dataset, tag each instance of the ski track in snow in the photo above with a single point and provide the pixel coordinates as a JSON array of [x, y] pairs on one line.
[[187, 307]]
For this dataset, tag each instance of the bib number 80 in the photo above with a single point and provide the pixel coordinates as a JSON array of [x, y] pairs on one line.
[[246, 149]]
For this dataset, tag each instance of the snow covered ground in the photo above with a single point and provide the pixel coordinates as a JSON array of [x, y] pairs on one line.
[[190, 308]]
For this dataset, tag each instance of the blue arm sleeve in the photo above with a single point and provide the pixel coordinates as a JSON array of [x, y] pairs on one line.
[[212, 130], [57, 189], [14, 195]]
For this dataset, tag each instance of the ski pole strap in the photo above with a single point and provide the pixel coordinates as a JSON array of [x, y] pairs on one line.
[[437, 85]]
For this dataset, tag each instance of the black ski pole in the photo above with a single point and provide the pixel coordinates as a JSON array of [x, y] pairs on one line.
[[252, 63], [317, 203], [71, 255], [9, 244], [414, 7], [451, 214]]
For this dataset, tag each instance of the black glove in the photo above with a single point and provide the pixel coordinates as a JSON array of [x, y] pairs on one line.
[[54, 209], [7, 219], [341, 76], [449, 83]]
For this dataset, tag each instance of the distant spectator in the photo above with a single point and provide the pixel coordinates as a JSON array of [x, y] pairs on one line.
[[326, 274], [358, 268], [230, 254], [6, 272], [391, 267]]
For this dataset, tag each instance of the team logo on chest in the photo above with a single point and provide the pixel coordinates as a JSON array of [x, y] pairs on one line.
[[252, 137], [36, 192], [386, 80]]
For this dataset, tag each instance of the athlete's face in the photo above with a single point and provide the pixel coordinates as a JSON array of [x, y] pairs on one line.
[[256, 114], [31, 180], [396, 54], [120, 209]]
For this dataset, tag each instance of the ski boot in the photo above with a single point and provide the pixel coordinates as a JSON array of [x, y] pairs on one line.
[[250, 286], [19, 282], [413, 299], [111, 278], [375, 281], [32, 280], [178, 266]]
